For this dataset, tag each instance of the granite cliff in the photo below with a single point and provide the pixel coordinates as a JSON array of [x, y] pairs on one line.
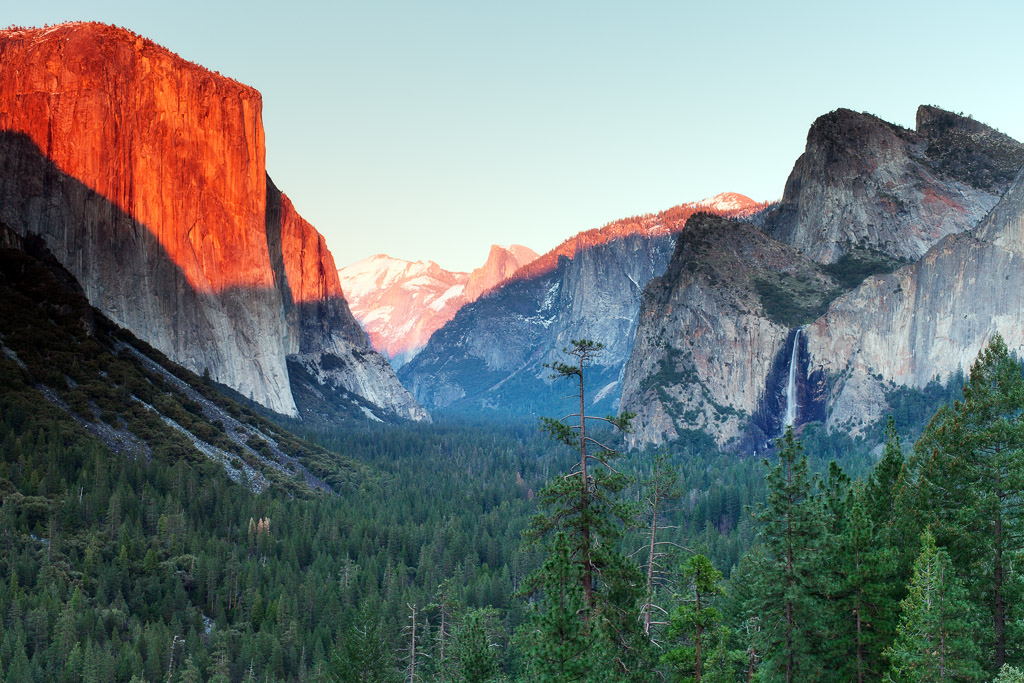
[[715, 330], [928, 319], [865, 189], [870, 274], [502, 262], [145, 175], [490, 358], [328, 352]]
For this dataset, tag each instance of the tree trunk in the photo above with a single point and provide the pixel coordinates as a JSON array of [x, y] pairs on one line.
[[588, 576], [999, 599], [697, 643], [860, 631], [650, 565]]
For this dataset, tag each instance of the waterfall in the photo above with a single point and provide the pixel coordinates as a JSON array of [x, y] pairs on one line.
[[791, 405]]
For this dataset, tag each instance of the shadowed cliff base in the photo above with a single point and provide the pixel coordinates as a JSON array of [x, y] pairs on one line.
[[768, 422], [60, 355], [240, 335]]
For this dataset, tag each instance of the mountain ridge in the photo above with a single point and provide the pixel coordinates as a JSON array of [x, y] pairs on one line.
[[489, 359], [865, 185], [401, 303], [923, 272]]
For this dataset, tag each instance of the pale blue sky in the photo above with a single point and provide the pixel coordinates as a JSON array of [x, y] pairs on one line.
[[430, 130]]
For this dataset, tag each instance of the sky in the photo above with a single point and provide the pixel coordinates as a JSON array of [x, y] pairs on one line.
[[431, 130]]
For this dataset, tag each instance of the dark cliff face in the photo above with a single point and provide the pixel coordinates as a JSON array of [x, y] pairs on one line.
[[715, 332], [715, 336], [866, 189], [145, 176], [928, 319], [490, 358], [330, 360]]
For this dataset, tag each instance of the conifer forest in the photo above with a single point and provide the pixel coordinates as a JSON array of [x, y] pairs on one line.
[[461, 551]]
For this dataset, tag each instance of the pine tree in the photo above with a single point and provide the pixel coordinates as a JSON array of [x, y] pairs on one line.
[[556, 643], [1010, 674], [970, 464], [887, 481], [191, 674], [862, 614], [787, 595], [892, 504], [446, 606], [935, 640], [662, 488], [18, 668], [742, 608], [587, 616], [475, 648], [413, 635], [363, 655], [695, 624], [221, 662]]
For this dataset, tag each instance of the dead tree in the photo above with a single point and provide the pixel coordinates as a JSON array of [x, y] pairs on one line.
[[661, 489], [413, 654]]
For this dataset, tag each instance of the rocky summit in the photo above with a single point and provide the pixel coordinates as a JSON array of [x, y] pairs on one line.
[[892, 259], [145, 175], [865, 188]]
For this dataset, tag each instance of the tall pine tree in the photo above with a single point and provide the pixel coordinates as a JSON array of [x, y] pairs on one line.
[[363, 655], [788, 597], [694, 626], [970, 465], [935, 641], [862, 611], [586, 624]]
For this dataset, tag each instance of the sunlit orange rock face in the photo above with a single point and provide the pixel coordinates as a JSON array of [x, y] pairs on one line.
[[145, 174], [501, 263], [174, 146], [309, 265]]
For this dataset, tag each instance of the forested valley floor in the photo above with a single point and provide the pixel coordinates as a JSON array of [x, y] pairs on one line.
[[463, 551]]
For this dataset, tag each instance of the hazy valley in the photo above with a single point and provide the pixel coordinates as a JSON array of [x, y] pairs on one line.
[[226, 458]]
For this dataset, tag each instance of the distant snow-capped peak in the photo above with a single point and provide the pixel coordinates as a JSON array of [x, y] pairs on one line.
[[401, 303]]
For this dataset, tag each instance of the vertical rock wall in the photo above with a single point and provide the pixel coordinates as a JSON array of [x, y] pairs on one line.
[[145, 175]]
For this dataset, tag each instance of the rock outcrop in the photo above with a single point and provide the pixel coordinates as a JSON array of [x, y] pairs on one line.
[[714, 334], [717, 332], [145, 175], [401, 303], [864, 187], [325, 341], [501, 263], [927, 320], [490, 358]]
